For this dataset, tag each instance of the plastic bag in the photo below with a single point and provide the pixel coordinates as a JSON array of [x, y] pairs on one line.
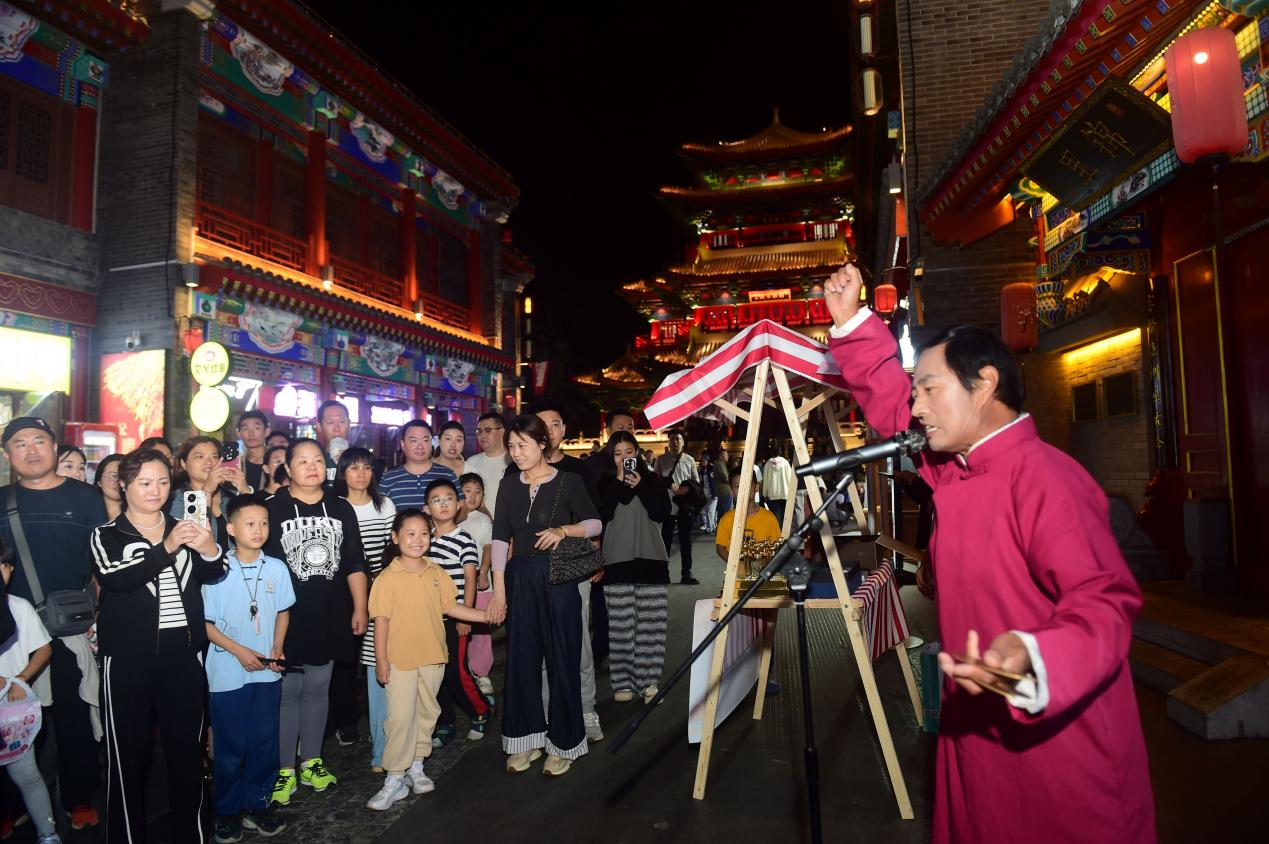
[[19, 722]]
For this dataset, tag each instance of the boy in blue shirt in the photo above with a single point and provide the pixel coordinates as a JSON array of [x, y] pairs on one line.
[[247, 617]]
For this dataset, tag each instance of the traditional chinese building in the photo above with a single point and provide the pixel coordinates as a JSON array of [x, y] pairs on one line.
[[772, 216]]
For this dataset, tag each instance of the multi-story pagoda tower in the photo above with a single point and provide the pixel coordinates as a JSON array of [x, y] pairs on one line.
[[772, 217]]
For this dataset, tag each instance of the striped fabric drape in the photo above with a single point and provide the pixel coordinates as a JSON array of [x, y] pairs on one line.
[[885, 623]]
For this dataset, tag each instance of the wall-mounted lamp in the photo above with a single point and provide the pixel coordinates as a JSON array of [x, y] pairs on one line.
[[894, 177]]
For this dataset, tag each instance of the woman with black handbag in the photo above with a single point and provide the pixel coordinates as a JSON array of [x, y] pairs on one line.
[[544, 512]]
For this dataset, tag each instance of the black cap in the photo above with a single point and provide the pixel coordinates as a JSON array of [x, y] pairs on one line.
[[24, 422]]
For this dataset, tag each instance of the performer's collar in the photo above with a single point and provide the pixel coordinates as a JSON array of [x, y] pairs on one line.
[[964, 458]]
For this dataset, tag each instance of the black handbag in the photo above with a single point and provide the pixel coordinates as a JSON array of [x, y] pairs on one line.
[[65, 612], [576, 557]]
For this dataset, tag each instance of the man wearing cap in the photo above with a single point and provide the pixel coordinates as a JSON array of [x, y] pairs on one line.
[[58, 516]]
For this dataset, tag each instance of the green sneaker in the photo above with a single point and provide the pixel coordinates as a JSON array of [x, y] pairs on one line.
[[284, 787], [313, 773]]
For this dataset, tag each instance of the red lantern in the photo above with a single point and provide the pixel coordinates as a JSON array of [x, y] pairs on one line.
[[1205, 85], [1017, 316], [885, 298]]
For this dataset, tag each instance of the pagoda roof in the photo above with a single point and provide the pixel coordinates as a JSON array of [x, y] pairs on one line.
[[833, 186], [775, 141], [758, 260]]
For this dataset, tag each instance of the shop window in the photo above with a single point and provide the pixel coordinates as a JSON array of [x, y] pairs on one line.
[[1084, 402], [1119, 392], [226, 168], [36, 137], [453, 269]]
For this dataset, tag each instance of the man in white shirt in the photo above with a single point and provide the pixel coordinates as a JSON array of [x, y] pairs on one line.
[[492, 461], [775, 484], [676, 468]]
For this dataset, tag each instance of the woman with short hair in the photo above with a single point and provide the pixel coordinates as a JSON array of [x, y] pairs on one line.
[[537, 507], [151, 633]]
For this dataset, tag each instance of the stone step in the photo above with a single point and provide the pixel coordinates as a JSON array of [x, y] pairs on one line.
[[1189, 640], [1228, 701], [1161, 669]]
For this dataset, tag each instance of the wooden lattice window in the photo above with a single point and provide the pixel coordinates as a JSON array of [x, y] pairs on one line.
[[288, 197], [343, 222], [453, 257], [226, 168], [385, 242], [36, 137]]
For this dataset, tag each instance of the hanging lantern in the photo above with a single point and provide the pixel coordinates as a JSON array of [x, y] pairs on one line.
[[866, 48], [1017, 316], [1205, 86], [885, 298], [871, 82]]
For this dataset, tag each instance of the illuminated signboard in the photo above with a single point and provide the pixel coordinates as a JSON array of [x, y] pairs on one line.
[[46, 361], [393, 417]]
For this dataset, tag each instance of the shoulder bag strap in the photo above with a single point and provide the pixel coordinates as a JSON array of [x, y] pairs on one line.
[[24, 550], [558, 490]]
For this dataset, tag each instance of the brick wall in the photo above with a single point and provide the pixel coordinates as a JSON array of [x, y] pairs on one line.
[[1116, 451], [952, 55], [145, 212], [33, 247]]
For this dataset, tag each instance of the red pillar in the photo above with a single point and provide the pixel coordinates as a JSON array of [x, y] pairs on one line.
[[264, 182], [473, 280], [83, 168], [315, 202], [409, 285]]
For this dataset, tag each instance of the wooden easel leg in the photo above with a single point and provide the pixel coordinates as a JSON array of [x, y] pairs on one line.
[[858, 646], [736, 540], [764, 667], [905, 665]]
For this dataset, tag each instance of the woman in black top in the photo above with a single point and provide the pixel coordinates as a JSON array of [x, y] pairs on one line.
[[315, 533], [151, 632], [636, 571], [536, 509], [198, 466]]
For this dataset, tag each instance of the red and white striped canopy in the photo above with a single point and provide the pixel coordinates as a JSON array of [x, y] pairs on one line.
[[730, 369]]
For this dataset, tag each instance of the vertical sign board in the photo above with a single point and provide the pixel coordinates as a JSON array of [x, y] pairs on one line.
[[1117, 131]]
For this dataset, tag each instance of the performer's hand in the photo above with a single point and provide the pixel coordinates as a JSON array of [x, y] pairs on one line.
[[841, 293], [1007, 652], [925, 580]]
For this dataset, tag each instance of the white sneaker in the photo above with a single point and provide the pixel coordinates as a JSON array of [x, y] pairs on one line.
[[649, 693], [594, 732], [419, 782], [394, 789], [485, 685]]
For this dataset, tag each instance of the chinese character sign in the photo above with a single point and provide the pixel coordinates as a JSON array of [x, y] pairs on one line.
[[1116, 132]]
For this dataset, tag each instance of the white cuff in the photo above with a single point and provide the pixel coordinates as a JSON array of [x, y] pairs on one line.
[[851, 324], [220, 552], [1032, 696]]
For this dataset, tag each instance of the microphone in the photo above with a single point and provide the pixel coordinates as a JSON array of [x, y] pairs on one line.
[[904, 442]]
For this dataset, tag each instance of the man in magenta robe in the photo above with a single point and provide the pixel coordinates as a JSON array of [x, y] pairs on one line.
[[1023, 560]]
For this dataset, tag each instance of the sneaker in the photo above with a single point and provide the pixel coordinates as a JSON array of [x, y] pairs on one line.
[[84, 816], [394, 789], [623, 696], [594, 732], [556, 766], [419, 782], [649, 693], [347, 737], [376, 769], [485, 685], [284, 787], [518, 763], [51, 838], [478, 726], [688, 580], [228, 829], [313, 773], [443, 735], [265, 821]]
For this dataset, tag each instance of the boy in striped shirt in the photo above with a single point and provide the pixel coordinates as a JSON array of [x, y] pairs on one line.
[[455, 551]]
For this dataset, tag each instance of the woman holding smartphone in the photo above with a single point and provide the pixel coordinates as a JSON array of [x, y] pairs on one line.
[[198, 466], [633, 504]]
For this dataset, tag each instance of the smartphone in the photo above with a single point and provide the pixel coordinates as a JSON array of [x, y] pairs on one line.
[[630, 466], [229, 454], [196, 506]]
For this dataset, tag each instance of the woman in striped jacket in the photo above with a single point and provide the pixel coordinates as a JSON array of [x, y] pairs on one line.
[[151, 631]]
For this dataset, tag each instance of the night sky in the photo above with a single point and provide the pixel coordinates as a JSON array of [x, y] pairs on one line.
[[586, 111]]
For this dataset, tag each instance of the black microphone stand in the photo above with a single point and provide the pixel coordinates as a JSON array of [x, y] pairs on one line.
[[797, 570]]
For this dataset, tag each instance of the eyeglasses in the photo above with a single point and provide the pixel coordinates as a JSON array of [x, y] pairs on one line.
[[487, 430], [440, 502]]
